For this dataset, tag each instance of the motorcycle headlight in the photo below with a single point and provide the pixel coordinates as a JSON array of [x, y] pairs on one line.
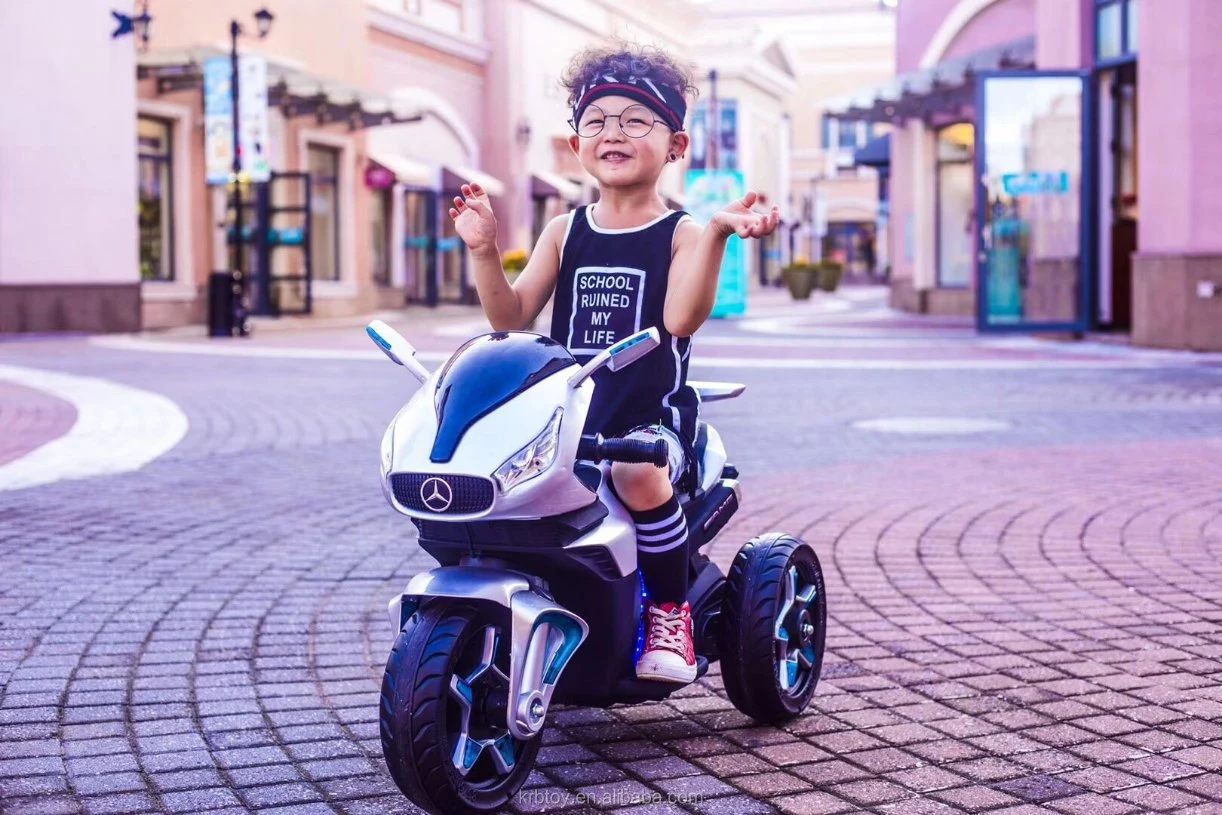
[[388, 450], [532, 459]]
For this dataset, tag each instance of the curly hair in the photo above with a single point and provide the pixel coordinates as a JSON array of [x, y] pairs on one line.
[[626, 58]]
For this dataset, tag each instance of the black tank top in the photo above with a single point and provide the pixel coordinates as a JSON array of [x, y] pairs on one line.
[[612, 283]]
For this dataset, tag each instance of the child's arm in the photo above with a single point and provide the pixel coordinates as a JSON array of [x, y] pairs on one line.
[[508, 308], [692, 287]]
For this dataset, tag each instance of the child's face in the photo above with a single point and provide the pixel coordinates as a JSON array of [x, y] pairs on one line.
[[619, 160]]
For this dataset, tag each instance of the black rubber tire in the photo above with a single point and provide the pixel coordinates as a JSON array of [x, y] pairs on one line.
[[416, 741], [749, 664]]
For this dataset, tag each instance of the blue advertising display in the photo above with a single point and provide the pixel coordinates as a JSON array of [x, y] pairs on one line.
[[1020, 184], [709, 191]]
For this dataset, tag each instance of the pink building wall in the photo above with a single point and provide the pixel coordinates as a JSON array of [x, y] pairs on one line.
[[911, 232], [916, 23], [1181, 107], [397, 65], [327, 36], [1064, 29], [67, 146], [998, 24]]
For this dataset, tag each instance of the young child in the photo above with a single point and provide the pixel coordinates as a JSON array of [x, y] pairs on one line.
[[616, 267]]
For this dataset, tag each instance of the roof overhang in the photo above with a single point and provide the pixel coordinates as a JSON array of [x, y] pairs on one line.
[[552, 185], [290, 88], [452, 179], [407, 171], [944, 92]]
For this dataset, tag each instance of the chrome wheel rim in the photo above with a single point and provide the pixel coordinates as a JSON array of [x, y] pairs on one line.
[[476, 735], [794, 632]]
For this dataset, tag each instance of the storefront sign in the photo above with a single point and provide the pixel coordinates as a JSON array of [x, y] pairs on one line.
[[707, 192], [378, 177], [218, 119], [1021, 184]]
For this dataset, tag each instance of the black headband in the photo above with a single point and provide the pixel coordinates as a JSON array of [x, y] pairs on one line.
[[661, 99]]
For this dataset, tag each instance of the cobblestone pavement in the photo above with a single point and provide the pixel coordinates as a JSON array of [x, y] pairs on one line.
[[1022, 621]]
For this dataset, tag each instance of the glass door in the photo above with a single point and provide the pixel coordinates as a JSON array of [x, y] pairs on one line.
[[1033, 191]]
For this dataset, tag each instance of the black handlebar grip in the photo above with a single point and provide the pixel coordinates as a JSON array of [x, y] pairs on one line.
[[636, 451]]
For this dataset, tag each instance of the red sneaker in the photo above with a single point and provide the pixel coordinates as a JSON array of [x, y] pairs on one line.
[[669, 654]]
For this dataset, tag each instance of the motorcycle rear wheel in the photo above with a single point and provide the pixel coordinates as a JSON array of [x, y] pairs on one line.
[[773, 628]]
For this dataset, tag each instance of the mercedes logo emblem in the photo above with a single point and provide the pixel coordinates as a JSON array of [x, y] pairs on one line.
[[436, 494]]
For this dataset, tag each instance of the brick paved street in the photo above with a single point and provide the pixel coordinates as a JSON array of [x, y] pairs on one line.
[[1023, 620]]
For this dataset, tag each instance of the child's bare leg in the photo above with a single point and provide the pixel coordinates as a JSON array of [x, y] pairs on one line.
[[641, 486]]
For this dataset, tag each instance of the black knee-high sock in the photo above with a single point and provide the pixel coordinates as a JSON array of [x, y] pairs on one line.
[[661, 542]]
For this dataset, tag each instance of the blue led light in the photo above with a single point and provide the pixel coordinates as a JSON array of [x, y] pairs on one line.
[[640, 622], [378, 338], [628, 343]]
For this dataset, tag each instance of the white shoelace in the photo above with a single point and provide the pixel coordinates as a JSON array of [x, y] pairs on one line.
[[668, 630]]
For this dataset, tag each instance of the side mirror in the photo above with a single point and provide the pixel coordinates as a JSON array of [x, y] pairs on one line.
[[396, 347], [620, 355], [626, 352]]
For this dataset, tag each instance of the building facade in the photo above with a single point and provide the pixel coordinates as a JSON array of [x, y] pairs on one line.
[[817, 50], [377, 111], [1049, 165]]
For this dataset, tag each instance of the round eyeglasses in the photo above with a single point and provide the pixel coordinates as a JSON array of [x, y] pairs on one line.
[[635, 121]]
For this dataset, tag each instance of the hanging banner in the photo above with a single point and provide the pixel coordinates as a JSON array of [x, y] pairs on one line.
[[218, 119], [727, 157], [706, 193]]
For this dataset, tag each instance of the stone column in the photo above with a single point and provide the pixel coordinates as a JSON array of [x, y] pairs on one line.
[[925, 206], [1177, 272]]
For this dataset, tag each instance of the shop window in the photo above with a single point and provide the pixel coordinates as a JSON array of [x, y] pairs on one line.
[[852, 244], [155, 191], [417, 243], [1115, 29], [379, 222], [848, 135], [956, 205], [323, 166], [1130, 28]]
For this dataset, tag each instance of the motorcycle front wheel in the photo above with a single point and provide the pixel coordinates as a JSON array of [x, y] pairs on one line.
[[443, 710]]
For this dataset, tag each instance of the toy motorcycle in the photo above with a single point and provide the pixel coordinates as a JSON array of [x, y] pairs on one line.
[[537, 598]]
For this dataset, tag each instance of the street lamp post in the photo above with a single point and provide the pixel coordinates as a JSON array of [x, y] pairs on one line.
[[263, 22]]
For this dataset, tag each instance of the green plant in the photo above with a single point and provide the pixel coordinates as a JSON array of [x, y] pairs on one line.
[[830, 273], [801, 279]]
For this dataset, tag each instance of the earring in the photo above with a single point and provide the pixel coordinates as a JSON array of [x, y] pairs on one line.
[[673, 157]]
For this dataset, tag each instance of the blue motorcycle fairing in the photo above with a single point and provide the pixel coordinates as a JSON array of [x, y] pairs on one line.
[[485, 373]]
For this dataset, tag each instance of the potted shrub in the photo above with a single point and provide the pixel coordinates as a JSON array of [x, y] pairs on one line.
[[830, 273], [801, 277], [513, 262]]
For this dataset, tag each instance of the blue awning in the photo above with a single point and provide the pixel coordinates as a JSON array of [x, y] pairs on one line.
[[875, 153]]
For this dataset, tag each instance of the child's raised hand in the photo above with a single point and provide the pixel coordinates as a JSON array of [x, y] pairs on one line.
[[739, 219], [473, 219]]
